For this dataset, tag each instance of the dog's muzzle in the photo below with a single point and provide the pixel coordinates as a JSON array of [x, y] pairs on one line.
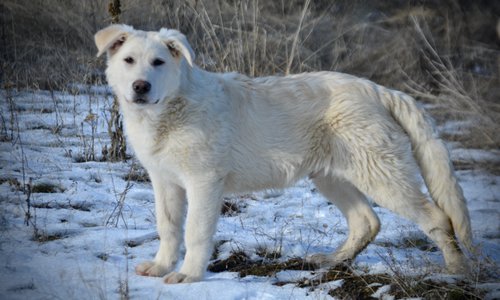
[[141, 88]]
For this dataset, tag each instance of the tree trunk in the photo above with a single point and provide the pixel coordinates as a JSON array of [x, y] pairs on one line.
[[118, 148]]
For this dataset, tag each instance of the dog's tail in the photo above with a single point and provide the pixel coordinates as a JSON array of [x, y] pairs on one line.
[[434, 161]]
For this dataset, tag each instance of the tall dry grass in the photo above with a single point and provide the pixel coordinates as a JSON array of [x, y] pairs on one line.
[[442, 52]]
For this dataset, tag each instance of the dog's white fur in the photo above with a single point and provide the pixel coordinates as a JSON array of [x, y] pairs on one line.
[[202, 134]]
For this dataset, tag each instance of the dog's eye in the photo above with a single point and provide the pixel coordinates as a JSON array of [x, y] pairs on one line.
[[157, 62], [129, 60]]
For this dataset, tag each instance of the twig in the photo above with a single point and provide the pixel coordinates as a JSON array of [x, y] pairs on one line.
[[296, 38]]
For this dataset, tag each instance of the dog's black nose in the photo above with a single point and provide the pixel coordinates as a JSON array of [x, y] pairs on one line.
[[141, 86]]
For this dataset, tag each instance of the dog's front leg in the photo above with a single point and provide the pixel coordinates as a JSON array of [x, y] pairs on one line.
[[170, 202], [204, 202]]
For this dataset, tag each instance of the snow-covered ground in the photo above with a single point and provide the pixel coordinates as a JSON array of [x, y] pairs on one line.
[[87, 224]]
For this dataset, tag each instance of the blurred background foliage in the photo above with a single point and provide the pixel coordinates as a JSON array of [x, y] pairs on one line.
[[444, 52]]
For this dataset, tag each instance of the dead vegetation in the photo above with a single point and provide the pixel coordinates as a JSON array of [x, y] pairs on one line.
[[354, 284], [442, 52]]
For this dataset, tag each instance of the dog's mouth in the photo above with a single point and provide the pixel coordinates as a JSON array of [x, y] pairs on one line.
[[140, 101], [144, 101]]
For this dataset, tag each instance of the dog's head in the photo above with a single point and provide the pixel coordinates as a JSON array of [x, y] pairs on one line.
[[144, 68]]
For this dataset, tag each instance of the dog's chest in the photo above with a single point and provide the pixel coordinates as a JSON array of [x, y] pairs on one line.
[[143, 137], [160, 148]]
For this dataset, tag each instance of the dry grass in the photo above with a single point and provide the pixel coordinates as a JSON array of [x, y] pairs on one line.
[[45, 44], [442, 52], [355, 283]]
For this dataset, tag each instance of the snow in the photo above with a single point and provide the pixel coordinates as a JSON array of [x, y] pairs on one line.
[[85, 237], [382, 291]]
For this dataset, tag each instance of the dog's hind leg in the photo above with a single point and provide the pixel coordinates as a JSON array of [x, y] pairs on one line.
[[393, 184], [362, 221]]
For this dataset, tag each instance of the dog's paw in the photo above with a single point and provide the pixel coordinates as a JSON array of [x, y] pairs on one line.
[[150, 268], [320, 260], [175, 277], [459, 268], [326, 261]]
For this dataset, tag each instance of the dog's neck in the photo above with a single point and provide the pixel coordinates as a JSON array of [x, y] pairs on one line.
[[198, 84], [142, 123]]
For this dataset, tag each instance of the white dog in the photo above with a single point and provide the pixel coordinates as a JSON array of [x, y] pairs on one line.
[[202, 134]]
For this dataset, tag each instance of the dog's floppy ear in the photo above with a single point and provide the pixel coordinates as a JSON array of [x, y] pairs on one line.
[[111, 38], [177, 44]]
